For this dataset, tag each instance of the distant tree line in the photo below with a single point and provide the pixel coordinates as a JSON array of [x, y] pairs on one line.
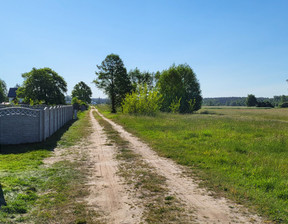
[[276, 101], [100, 100], [224, 101]]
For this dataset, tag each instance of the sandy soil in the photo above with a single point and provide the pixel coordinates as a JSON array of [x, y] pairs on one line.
[[207, 208]]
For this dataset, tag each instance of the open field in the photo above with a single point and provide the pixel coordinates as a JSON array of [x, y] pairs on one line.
[[237, 152], [280, 114]]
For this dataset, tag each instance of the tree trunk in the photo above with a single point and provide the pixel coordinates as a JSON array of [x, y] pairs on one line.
[[113, 100], [113, 104]]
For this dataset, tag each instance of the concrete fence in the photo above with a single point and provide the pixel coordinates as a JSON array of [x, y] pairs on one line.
[[25, 125]]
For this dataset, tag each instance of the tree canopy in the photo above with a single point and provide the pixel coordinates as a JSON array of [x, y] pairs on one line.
[[44, 85], [3, 91], [112, 77], [82, 92], [179, 85], [141, 78]]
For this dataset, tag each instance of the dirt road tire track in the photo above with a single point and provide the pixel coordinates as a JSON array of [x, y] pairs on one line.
[[108, 195]]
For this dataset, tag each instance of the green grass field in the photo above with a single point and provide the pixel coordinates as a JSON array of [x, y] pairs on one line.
[[40, 194], [241, 153]]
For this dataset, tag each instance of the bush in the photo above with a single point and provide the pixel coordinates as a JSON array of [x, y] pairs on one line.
[[76, 103], [284, 105], [175, 105], [79, 104], [264, 104], [142, 101]]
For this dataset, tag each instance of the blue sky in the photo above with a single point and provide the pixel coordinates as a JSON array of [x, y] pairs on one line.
[[234, 47]]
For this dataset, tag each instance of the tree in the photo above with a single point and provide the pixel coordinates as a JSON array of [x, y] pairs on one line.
[[112, 77], [141, 78], [43, 84], [179, 84], [3, 91], [251, 100], [82, 92]]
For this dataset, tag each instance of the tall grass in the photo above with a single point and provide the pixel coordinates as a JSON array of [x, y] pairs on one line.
[[242, 153]]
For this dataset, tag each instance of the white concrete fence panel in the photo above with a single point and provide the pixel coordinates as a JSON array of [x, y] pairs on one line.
[[25, 125]]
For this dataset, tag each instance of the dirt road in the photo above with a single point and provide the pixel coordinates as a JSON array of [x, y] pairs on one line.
[[108, 194], [115, 200]]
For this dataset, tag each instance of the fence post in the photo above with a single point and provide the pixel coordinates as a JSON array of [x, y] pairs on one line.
[[55, 119], [46, 123], [41, 125]]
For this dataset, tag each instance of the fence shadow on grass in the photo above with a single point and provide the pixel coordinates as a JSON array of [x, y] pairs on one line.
[[50, 143], [2, 199]]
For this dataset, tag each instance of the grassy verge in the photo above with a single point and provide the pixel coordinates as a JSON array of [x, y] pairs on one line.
[[277, 114], [38, 194], [239, 153], [160, 206]]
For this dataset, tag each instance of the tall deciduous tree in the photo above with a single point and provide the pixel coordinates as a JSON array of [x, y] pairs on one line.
[[43, 84], [251, 100], [82, 92], [112, 77], [179, 83], [3, 91]]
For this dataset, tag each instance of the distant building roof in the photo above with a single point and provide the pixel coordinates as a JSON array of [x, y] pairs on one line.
[[12, 92]]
